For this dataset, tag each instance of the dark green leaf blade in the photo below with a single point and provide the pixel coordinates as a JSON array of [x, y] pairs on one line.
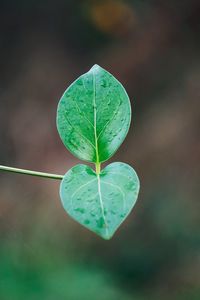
[[100, 202], [93, 115]]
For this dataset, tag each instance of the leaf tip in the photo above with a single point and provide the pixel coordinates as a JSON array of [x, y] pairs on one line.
[[106, 236], [95, 67]]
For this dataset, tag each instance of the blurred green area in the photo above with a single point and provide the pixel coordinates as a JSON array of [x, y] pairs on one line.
[[153, 48]]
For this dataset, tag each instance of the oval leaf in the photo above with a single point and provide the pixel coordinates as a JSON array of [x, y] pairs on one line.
[[93, 116], [100, 202]]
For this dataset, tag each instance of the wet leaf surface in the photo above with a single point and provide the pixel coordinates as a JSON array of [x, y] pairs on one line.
[[94, 115], [100, 202]]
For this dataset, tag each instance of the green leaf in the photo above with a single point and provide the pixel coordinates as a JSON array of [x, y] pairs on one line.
[[94, 116], [100, 202]]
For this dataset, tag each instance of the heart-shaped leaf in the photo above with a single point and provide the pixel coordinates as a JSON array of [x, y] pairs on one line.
[[94, 115], [100, 202]]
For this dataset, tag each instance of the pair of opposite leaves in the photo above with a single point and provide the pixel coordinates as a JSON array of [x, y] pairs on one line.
[[93, 119]]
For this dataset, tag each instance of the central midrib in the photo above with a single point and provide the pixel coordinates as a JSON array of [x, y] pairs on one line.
[[101, 202], [95, 117], [97, 152]]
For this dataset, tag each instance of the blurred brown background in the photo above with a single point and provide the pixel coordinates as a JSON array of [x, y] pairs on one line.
[[153, 48]]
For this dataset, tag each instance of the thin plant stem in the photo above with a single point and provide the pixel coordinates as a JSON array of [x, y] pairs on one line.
[[30, 172], [98, 167]]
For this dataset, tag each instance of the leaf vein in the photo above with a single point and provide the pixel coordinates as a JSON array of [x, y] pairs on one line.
[[114, 114], [116, 173], [95, 117], [81, 112], [117, 187], [101, 203], [66, 118], [83, 185]]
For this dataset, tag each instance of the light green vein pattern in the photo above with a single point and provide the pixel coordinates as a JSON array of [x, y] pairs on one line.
[[93, 115], [100, 202]]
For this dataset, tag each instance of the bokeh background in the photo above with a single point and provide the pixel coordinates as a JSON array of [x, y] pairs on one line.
[[153, 48]]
